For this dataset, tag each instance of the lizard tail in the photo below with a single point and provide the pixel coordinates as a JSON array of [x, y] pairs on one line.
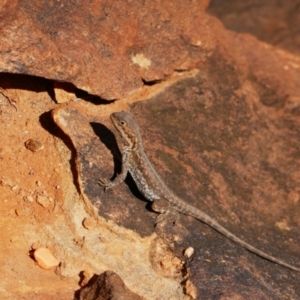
[[201, 216]]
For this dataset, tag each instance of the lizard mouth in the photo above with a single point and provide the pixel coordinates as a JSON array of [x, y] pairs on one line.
[[114, 121]]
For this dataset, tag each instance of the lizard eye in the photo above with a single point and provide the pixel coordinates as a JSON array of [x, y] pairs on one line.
[[122, 123]]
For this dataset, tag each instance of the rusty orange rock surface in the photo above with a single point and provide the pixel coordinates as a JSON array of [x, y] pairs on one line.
[[105, 48]]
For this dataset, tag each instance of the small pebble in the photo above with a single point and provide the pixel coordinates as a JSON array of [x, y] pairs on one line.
[[22, 212], [79, 241], [89, 223], [45, 258], [34, 145], [38, 183], [28, 198], [14, 188], [35, 246], [188, 252], [43, 200]]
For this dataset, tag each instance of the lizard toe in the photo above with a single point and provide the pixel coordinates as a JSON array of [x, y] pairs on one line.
[[104, 182]]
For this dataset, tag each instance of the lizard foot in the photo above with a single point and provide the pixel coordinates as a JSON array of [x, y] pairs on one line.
[[167, 212], [106, 183]]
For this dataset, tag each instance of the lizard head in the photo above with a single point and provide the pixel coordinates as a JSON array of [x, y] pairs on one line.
[[127, 128]]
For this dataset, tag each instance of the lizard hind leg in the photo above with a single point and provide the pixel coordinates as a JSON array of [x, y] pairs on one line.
[[167, 213]]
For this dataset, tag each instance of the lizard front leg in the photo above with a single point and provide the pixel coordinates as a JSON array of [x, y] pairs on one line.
[[107, 183]]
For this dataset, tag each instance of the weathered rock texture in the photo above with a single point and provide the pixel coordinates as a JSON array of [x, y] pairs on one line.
[[225, 139], [105, 48], [274, 22], [107, 285]]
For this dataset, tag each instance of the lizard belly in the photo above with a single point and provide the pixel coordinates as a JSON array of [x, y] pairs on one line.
[[143, 185]]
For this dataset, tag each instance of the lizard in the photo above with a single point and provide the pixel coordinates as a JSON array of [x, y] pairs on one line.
[[152, 187]]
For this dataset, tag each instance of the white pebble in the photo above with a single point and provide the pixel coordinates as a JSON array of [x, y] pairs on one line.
[[188, 252]]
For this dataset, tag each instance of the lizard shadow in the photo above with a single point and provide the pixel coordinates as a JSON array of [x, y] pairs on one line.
[[108, 138]]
